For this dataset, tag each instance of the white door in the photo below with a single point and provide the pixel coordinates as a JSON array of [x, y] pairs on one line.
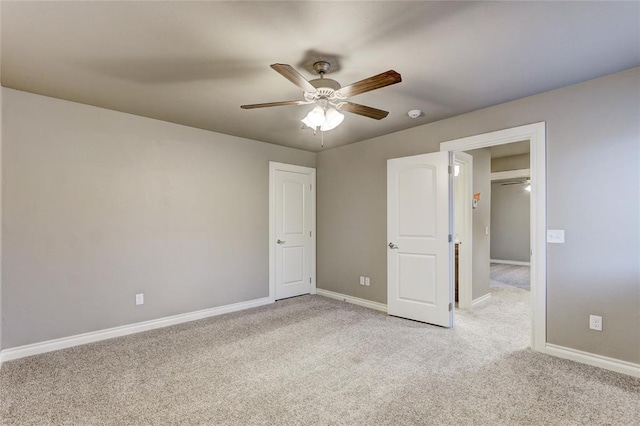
[[419, 260], [292, 236]]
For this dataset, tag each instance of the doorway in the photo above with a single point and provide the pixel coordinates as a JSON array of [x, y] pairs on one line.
[[510, 212], [536, 135]]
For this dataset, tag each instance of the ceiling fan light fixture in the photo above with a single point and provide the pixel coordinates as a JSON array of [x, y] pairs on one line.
[[315, 118], [333, 118], [325, 119], [306, 122]]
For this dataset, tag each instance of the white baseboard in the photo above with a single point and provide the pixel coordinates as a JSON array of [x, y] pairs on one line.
[[481, 299], [109, 333], [355, 300], [601, 361], [510, 262], [375, 305]]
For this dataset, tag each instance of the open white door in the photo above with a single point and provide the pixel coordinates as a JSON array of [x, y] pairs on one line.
[[293, 242], [419, 259]]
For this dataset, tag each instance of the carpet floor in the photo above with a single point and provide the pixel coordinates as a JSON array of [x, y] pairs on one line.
[[316, 361], [502, 275]]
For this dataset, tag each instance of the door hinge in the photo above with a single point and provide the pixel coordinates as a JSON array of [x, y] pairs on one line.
[[309, 280], [309, 233], [450, 238], [450, 307], [310, 187], [449, 170]]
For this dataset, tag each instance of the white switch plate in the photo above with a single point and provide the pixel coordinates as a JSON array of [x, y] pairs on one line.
[[361, 280], [367, 281], [555, 236], [140, 299], [486, 230]]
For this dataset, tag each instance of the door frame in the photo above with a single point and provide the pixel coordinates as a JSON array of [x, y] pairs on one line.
[[536, 135], [273, 167], [465, 263]]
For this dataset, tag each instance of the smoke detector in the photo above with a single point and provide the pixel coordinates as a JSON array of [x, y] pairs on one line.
[[414, 113]]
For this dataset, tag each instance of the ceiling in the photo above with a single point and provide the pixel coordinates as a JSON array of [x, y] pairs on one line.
[[510, 149], [195, 63]]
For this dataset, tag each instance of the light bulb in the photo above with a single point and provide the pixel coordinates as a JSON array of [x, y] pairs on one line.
[[332, 119], [307, 122], [315, 117]]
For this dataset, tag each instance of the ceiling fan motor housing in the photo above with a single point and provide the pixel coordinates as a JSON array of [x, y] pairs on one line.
[[325, 83], [325, 87]]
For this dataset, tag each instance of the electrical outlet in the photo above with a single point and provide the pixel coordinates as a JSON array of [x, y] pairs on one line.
[[361, 280], [140, 299], [367, 281], [595, 322]]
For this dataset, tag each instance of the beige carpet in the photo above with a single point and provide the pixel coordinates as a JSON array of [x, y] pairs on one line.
[[311, 360], [502, 275]]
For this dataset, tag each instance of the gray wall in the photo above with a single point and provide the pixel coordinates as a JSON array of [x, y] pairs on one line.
[[510, 225], [512, 162], [481, 220], [593, 187], [101, 205], [1, 133]]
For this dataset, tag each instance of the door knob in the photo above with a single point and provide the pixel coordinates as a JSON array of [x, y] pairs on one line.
[[393, 246], [280, 241]]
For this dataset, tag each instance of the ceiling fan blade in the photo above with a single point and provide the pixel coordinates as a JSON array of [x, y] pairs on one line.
[[290, 73], [272, 104], [376, 82], [364, 110]]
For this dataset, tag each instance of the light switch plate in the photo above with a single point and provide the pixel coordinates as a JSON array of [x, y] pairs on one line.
[[555, 236]]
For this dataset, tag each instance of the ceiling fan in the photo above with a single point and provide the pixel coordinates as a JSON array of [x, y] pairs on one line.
[[516, 182], [526, 182], [329, 97]]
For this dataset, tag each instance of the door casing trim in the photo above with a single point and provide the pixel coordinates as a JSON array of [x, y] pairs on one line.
[[273, 167], [465, 263], [536, 135]]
